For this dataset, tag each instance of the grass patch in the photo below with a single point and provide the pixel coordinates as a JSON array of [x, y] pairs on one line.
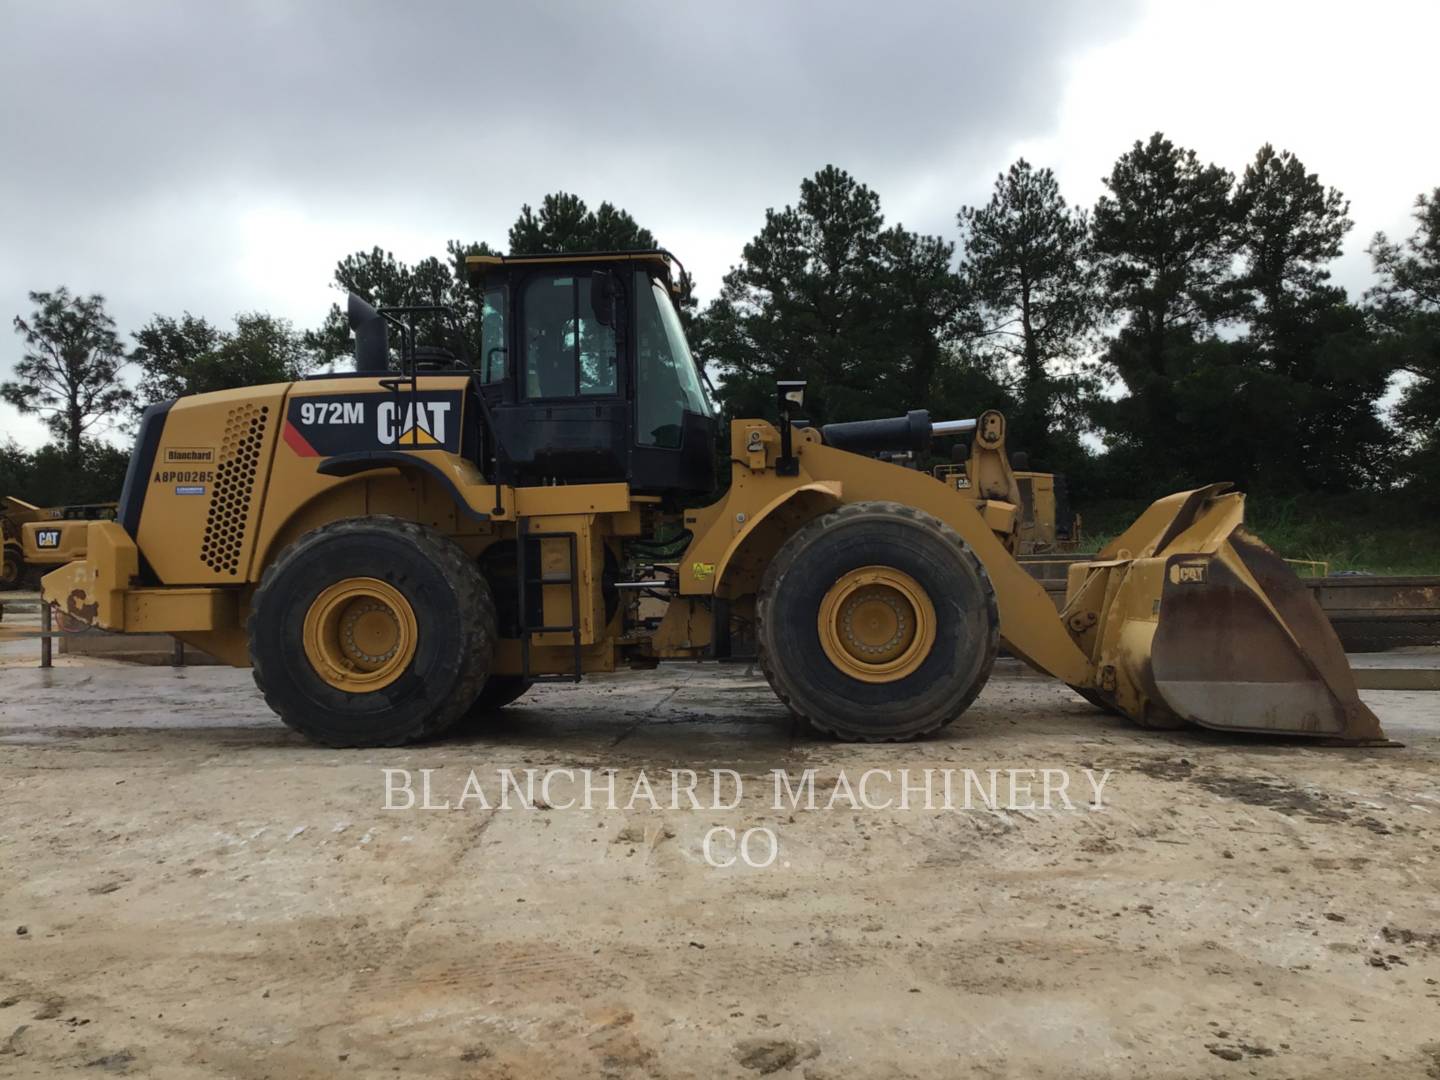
[[1371, 532]]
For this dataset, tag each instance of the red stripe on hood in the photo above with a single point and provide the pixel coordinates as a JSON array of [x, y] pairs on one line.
[[298, 442]]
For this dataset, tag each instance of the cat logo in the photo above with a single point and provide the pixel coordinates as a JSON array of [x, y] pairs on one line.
[[1193, 573], [47, 538], [420, 423]]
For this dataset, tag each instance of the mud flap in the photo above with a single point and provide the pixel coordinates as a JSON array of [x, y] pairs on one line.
[[1241, 645]]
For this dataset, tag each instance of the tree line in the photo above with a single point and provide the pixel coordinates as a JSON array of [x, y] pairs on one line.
[[1185, 328]]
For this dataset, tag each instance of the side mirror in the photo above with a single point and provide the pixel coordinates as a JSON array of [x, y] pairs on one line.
[[604, 291], [790, 397], [791, 394]]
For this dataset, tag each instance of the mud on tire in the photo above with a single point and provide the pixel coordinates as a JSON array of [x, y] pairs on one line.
[[966, 634], [455, 632]]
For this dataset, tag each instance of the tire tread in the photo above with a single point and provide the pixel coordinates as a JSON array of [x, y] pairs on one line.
[[794, 549], [462, 575]]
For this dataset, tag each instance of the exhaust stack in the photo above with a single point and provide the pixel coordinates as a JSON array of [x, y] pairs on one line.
[[372, 337]]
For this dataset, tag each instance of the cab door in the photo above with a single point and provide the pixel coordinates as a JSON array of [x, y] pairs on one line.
[[569, 418]]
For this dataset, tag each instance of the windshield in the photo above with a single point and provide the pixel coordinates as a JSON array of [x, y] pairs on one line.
[[667, 383]]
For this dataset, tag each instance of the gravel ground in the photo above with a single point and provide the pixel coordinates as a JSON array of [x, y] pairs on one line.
[[187, 890]]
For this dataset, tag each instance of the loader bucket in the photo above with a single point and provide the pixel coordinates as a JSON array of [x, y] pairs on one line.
[[1197, 621]]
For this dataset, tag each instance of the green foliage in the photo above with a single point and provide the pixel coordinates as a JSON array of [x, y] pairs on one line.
[[1405, 306], [1025, 267], [69, 371], [1164, 239], [825, 293], [1309, 357], [1164, 234], [15, 464], [1371, 532], [1207, 306], [382, 280], [1239, 359], [1288, 226], [190, 356], [565, 223], [46, 476]]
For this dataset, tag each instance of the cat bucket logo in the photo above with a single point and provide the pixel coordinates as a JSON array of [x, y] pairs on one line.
[[1191, 573], [353, 423]]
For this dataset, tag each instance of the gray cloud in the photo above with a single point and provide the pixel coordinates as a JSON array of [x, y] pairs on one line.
[[221, 156]]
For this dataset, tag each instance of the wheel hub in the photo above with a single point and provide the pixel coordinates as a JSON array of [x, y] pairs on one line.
[[877, 624], [360, 634]]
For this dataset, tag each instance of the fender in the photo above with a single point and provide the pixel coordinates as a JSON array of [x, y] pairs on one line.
[[361, 461], [827, 494]]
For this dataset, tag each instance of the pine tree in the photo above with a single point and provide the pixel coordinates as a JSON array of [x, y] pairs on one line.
[[1405, 306], [565, 223], [1312, 375], [826, 293], [1164, 239], [69, 371], [1025, 264]]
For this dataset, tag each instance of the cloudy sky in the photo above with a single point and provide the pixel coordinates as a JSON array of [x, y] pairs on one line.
[[220, 157]]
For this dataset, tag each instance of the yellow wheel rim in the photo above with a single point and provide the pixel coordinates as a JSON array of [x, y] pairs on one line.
[[360, 634], [877, 624]]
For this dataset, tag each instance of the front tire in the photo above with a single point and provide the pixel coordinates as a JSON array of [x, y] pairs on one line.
[[371, 632], [877, 623]]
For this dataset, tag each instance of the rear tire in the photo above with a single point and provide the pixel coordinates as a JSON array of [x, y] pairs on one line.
[[499, 691], [371, 632], [12, 565], [918, 669]]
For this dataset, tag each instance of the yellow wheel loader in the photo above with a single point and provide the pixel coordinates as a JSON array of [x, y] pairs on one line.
[[33, 537], [399, 548]]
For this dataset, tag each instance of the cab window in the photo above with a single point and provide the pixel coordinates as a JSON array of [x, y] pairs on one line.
[[492, 336], [568, 352], [667, 384]]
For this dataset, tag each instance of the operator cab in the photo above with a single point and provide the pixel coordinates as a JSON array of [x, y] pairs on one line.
[[587, 373]]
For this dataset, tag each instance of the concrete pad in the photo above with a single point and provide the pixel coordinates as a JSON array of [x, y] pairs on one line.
[[203, 893], [1415, 667]]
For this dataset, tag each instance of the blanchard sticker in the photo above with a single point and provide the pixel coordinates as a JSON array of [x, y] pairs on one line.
[[183, 476], [375, 420], [189, 455], [47, 538], [189, 489]]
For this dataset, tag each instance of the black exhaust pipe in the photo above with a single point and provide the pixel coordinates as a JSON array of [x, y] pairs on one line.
[[372, 337]]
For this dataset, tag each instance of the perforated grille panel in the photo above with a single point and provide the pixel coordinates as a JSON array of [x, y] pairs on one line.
[[234, 484]]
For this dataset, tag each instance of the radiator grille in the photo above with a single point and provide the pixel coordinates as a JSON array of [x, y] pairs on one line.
[[234, 485]]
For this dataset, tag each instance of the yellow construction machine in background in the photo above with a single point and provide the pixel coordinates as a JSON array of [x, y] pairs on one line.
[[35, 537]]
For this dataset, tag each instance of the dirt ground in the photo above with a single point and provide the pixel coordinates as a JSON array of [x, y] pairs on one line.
[[187, 890]]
